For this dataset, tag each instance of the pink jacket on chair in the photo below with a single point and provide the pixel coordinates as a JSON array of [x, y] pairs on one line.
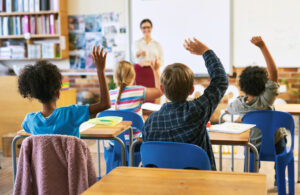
[[54, 164]]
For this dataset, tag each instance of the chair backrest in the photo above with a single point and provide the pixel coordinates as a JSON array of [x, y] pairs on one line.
[[54, 162], [268, 122], [174, 155], [137, 121]]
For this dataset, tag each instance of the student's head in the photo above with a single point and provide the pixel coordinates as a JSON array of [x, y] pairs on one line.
[[41, 81], [124, 76], [177, 82], [146, 27], [253, 80]]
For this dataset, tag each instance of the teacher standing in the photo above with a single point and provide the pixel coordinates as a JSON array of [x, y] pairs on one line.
[[148, 54]]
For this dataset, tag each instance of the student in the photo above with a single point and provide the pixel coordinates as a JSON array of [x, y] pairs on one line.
[[181, 120], [261, 92], [129, 97], [42, 81]]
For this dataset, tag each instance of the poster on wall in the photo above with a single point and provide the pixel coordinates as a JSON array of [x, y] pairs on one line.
[[85, 31]]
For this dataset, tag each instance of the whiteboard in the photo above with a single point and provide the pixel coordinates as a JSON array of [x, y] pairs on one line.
[[277, 21], [176, 20]]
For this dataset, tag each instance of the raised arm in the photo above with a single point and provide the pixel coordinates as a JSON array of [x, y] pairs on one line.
[[100, 62], [271, 65], [219, 81], [153, 93]]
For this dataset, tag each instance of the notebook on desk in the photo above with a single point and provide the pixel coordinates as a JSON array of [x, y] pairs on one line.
[[234, 128], [151, 107]]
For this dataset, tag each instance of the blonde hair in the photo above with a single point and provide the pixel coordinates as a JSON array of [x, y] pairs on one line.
[[124, 75], [178, 81]]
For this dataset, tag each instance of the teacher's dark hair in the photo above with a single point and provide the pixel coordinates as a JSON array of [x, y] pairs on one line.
[[144, 21]]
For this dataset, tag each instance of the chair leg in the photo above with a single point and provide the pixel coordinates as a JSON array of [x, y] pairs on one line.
[[280, 177], [291, 176]]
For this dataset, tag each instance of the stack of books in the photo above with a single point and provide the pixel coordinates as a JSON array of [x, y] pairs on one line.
[[12, 50], [65, 84], [28, 5], [19, 25], [48, 48]]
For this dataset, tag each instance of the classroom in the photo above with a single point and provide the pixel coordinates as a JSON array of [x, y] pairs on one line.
[[149, 97]]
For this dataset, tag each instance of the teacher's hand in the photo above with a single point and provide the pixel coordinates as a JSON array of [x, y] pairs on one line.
[[141, 53]]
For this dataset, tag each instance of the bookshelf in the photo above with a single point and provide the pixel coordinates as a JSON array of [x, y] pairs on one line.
[[33, 33]]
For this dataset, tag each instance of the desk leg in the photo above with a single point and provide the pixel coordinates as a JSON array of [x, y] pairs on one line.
[[220, 157], [14, 155], [98, 158], [122, 149], [298, 180], [254, 150], [232, 158], [130, 136], [247, 158], [131, 152]]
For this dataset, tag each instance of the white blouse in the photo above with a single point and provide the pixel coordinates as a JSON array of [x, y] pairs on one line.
[[153, 50]]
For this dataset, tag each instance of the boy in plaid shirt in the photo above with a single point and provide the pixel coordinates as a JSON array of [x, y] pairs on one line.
[[181, 120]]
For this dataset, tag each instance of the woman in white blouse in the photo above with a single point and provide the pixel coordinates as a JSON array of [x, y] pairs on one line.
[[149, 55], [147, 49]]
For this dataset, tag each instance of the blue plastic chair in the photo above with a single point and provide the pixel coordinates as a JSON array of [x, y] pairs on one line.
[[174, 155], [268, 122], [113, 154]]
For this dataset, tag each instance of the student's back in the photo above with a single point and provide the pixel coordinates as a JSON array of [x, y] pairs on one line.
[[42, 81], [185, 121]]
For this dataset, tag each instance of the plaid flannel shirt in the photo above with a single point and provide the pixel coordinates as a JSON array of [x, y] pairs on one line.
[[186, 121]]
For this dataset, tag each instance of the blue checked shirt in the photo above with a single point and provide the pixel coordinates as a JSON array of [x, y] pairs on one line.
[[186, 121]]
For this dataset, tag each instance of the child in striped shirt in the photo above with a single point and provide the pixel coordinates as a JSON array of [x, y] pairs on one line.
[[129, 97]]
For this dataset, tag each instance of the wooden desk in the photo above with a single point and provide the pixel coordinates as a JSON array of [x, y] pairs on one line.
[[96, 132], [235, 139], [132, 180], [229, 139], [293, 109], [102, 131]]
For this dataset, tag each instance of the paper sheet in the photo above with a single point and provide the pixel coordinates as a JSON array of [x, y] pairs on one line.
[[234, 128], [151, 106]]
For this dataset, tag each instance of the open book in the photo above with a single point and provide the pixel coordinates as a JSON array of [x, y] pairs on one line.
[[234, 128]]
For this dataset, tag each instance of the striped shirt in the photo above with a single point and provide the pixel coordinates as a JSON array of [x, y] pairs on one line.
[[132, 98]]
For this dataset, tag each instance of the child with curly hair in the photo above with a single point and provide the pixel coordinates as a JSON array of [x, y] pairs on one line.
[[260, 87], [42, 81]]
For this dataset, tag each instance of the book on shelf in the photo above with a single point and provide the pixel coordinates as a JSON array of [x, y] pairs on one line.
[[20, 5], [26, 6], [34, 51]]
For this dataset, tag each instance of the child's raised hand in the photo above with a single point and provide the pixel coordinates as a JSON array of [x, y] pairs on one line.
[[258, 41], [195, 46], [99, 59]]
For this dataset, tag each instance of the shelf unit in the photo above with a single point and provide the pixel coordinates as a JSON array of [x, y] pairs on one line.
[[63, 35]]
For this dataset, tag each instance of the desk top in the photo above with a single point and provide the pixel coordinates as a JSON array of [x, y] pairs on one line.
[[98, 131], [290, 108], [229, 139], [134, 180], [105, 131]]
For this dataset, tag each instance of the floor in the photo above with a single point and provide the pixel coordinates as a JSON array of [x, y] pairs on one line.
[[266, 168]]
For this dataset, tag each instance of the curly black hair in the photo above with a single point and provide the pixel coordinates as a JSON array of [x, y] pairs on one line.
[[253, 80], [40, 81]]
